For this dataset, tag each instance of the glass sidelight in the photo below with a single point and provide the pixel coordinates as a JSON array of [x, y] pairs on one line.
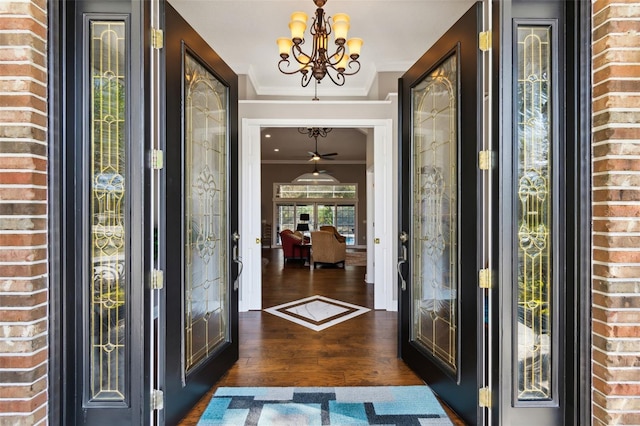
[[109, 293], [534, 212], [206, 301], [435, 213]]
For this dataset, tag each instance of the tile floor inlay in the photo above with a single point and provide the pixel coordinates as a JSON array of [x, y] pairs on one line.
[[317, 312]]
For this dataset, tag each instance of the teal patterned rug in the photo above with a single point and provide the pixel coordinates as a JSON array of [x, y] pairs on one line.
[[291, 406]]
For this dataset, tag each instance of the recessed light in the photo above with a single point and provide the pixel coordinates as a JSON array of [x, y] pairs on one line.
[[267, 135], [276, 149]]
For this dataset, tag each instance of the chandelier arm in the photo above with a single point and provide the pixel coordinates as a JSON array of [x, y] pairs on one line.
[[340, 51], [306, 78], [284, 71], [351, 62], [339, 78]]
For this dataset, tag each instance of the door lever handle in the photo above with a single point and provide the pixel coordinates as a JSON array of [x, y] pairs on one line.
[[235, 257], [404, 237]]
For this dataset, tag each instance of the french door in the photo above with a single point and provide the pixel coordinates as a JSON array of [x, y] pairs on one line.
[[198, 236], [441, 319], [493, 229]]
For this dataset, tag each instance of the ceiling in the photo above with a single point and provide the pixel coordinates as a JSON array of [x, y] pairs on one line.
[[243, 32], [294, 147]]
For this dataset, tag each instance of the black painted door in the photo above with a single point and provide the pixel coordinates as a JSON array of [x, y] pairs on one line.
[[440, 302], [200, 201]]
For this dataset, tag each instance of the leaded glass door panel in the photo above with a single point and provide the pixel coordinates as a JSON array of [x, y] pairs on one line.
[[201, 211], [440, 203]]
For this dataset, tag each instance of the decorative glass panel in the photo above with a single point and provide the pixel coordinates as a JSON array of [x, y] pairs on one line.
[[206, 307], [435, 207], [533, 212], [109, 283]]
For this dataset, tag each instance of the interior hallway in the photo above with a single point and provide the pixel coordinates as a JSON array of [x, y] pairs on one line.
[[361, 351]]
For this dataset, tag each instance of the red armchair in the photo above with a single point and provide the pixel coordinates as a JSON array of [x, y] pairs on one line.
[[292, 245]]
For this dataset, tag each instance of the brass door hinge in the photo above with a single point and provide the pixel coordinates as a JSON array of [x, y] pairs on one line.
[[485, 160], [157, 159], [157, 279], [484, 40], [157, 399], [484, 397], [484, 278], [157, 38]]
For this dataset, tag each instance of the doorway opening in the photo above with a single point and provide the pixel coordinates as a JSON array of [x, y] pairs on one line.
[[383, 214]]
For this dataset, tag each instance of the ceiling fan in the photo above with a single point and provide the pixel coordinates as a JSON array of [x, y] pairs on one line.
[[317, 172], [314, 132]]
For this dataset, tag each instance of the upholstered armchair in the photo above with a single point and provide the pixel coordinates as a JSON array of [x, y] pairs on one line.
[[327, 249], [334, 231], [292, 245]]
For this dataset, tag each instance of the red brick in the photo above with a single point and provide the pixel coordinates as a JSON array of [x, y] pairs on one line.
[[28, 361], [18, 406], [17, 178], [24, 163], [616, 301], [617, 164], [602, 255], [23, 270], [35, 239], [630, 194], [24, 391], [618, 211]]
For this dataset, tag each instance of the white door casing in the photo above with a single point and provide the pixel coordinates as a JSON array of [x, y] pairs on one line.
[[384, 216]]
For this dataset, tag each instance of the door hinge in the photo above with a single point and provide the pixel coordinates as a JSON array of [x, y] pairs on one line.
[[157, 400], [484, 40], [485, 160], [157, 279], [484, 397], [484, 278], [157, 159], [157, 38]]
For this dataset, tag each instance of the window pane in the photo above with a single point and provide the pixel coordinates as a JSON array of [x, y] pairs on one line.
[[533, 212], [346, 223], [109, 284]]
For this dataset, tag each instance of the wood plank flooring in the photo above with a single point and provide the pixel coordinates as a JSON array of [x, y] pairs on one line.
[[275, 352]]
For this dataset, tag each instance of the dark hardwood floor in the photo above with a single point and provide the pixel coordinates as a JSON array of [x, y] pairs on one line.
[[275, 352]]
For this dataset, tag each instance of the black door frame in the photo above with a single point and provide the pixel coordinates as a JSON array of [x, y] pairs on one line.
[[65, 204], [577, 193], [579, 37]]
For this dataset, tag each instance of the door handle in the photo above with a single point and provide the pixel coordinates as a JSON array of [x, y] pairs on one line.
[[236, 259], [404, 237]]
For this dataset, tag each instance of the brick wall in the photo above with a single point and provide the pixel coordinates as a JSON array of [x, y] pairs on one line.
[[23, 212], [616, 212]]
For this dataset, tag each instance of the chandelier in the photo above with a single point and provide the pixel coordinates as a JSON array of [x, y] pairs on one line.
[[320, 62]]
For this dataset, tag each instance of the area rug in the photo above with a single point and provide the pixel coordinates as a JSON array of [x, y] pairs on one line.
[[317, 312], [291, 406], [356, 258]]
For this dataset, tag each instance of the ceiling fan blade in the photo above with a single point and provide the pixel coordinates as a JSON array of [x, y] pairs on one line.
[[331, 154], [311, 153]]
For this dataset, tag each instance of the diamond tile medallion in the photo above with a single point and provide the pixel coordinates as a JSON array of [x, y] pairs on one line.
[[317, 312]]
